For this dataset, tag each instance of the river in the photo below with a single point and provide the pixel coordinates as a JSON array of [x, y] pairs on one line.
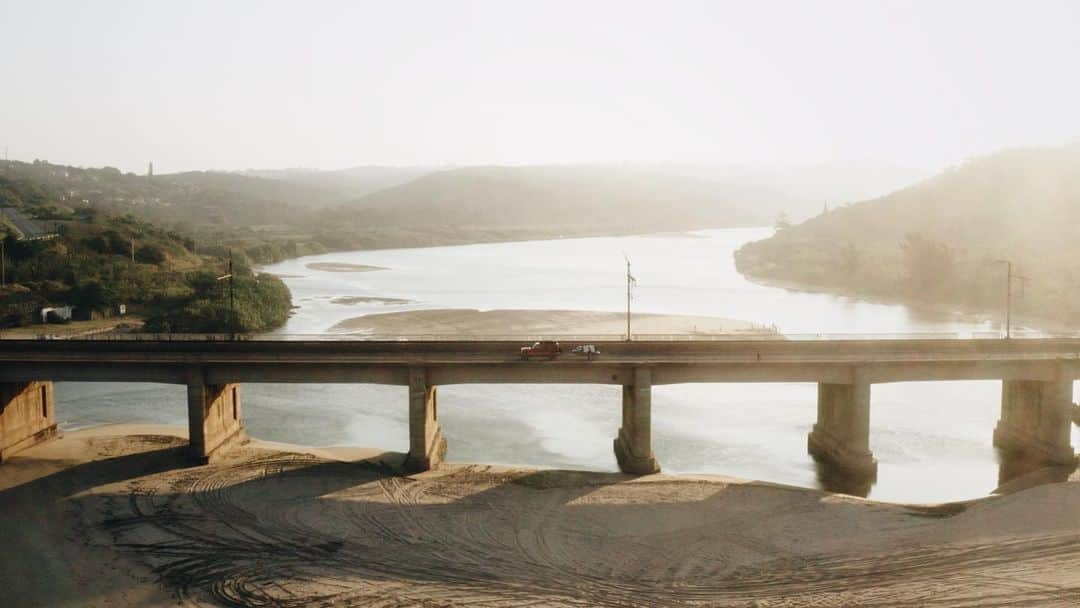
[[932, 440]]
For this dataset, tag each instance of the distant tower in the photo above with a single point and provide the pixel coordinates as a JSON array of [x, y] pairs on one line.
[[150, 171]]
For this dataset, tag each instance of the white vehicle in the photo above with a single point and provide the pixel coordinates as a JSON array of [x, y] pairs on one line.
[[589, 350]]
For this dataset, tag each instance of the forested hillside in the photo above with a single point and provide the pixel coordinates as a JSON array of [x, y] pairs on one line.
[[941, 240], [97, 255]]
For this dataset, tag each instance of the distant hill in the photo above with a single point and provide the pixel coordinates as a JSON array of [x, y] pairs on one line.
[[249, 188], [578, 198], [800, 191], [938, 240], [343, 184], [193, 197], [266, 215]]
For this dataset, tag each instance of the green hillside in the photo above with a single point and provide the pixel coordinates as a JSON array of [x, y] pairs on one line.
[[99, 252], [939, 240]]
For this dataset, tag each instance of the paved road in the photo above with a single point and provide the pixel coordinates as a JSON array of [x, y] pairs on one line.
[[30, 229], [505, 352]]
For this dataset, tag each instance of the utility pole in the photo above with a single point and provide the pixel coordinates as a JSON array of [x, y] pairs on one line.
[[1009, 276], [630, 282], [3, 264], [1008, 299], [232, 295]]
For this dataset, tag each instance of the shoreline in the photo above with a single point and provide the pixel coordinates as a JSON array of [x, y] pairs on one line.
[[271, 523], [1039, 324]]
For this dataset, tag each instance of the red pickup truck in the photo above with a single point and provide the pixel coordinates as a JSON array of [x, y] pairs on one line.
[[543, 348]]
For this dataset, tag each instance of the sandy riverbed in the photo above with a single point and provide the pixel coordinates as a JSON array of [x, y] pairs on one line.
[[470, 322], [112, 517]]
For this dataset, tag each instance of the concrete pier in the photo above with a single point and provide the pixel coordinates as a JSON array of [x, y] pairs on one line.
[[841, 436], [427, 446], [27, 416], [215, 418], [1036, 420], [633, 445]]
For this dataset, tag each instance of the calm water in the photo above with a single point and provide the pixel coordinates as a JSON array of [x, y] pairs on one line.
[[933, 440]]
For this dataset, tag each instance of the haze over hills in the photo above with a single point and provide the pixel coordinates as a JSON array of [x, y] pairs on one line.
[[939, 240], [765, 189], [802, 190], [581, 198], [269, 214], [343, 184]]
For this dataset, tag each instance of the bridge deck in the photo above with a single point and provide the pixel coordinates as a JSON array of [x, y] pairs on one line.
[[499, 361]]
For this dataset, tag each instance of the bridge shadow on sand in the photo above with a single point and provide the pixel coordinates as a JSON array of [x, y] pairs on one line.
[[284, 529]]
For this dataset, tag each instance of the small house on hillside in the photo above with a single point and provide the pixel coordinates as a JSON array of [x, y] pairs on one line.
[[56, 314]]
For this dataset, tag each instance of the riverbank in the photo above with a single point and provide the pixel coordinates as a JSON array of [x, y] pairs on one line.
[[75, 329], [795, 272], [930, 307], [471, 322], [277, 524]]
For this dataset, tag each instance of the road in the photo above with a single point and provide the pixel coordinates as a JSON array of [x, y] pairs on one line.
[[500, 361]]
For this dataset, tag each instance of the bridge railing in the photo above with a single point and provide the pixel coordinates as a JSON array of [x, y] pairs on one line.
[[530, 337]]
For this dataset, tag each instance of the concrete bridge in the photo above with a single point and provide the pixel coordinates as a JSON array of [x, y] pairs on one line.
[[1036, 375]]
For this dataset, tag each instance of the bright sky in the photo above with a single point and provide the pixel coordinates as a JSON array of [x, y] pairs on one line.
[[233, 85]]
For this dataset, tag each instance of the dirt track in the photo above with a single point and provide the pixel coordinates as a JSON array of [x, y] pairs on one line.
[[290, 529], [279, 529]]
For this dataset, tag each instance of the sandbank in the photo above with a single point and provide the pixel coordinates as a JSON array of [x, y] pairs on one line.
[[350, 300], [472, 322], [341, 267]]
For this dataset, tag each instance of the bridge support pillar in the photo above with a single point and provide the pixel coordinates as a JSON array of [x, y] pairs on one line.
[[1036, 420], [27, 416], [215, 421], [427, 446], [633, 446], [841, 436]]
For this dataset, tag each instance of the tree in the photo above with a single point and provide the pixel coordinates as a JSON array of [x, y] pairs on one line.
[[929, 263], [850, 259], [150, 254], [91, 294]]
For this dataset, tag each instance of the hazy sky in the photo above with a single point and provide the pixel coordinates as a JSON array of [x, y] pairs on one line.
[[231, 85]]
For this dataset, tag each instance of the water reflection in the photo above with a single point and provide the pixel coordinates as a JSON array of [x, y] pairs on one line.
[[1017, 471], [834, 478]]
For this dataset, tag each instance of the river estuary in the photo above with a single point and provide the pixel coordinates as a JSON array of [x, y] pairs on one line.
[[932, 440]]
